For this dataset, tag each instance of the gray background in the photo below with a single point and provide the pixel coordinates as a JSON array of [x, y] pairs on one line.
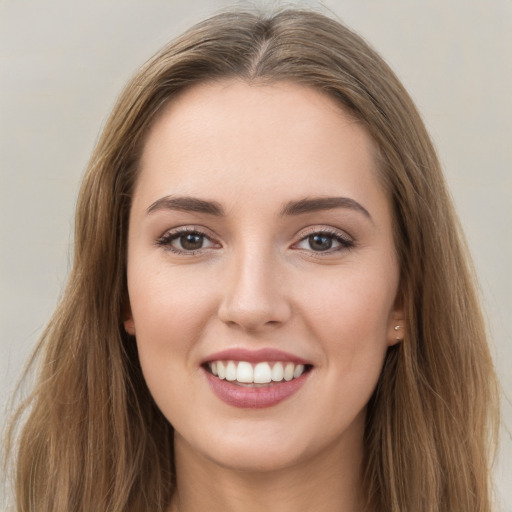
[[63, 62]]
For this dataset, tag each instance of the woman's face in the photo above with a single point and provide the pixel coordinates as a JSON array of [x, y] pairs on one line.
[[262, 273]]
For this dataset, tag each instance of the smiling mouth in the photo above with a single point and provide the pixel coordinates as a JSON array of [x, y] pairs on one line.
[[262, 374]]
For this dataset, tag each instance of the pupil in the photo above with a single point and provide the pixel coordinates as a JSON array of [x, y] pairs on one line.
[[191, 241], [320, 242]]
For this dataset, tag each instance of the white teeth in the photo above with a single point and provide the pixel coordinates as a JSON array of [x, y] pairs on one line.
[[288, 371], [262, 373], [221, 371], [244, 372], [277, 372], [231, 371], [299, 370]]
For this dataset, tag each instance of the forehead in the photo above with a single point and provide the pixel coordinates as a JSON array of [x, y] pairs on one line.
[[274, 139]]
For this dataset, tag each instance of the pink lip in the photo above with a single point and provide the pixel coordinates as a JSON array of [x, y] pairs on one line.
[[257, 397], [255, 356]]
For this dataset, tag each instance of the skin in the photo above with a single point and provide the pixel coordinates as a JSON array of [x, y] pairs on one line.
[[256, 281]]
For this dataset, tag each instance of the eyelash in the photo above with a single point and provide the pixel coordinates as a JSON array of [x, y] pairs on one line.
[[345, 242], [166, 240]]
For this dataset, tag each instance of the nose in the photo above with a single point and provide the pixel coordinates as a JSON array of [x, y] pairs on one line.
[[254, 296]]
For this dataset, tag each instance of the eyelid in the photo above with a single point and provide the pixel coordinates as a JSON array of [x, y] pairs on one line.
[[321, 228], [346, 241], [172, 234]]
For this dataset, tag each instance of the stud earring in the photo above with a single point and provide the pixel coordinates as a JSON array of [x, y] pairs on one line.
[[397, 328]]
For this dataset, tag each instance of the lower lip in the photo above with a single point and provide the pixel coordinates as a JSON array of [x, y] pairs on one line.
[[254, 398]]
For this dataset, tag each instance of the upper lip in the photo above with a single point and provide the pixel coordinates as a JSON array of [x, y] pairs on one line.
[[255, 356]]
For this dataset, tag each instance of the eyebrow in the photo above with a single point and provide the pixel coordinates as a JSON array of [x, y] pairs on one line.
[[187, 204], [292, 208], [315, 204]]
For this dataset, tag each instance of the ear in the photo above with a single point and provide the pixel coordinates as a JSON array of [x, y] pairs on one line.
[[128, 322], [396, 325]]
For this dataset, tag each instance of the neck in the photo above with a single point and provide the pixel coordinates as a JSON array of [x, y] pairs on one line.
[[329, 481]]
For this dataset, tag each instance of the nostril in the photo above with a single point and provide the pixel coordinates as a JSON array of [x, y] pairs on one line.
[[253, 298], [256, 315]]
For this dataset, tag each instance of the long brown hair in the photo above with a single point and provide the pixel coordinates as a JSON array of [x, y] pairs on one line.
[[91, 436]]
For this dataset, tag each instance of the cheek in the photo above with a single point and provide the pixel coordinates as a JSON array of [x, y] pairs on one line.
[[357, 304], [350, 317], [168, 307], [170, 313]]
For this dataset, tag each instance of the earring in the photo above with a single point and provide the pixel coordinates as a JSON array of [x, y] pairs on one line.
[[397, 328]]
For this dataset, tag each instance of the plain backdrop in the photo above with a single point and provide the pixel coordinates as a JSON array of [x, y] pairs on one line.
[[63, 62]]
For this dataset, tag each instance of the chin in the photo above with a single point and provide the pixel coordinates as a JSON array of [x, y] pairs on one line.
[[256, 458], [266, 447], [253, 447]]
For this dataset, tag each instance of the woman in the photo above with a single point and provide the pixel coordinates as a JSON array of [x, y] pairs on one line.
[[270, 305]]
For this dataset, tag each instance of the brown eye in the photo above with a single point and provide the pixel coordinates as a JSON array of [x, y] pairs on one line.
[[320, 242], [325, 241], [190, 241], [185, 241]]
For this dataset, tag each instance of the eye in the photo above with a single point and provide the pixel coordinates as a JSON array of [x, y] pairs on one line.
[[186, 241], [325, 241]]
